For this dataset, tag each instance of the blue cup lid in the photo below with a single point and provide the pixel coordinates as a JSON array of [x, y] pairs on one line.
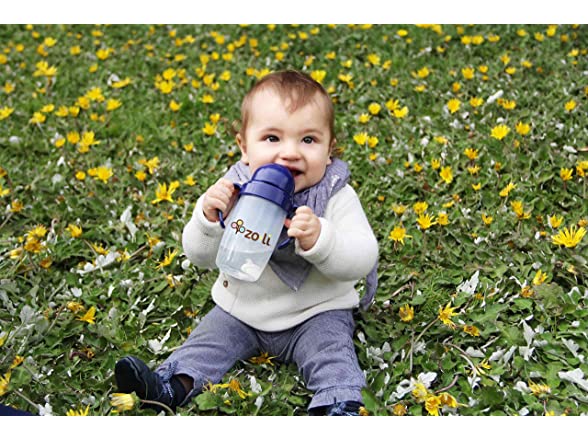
[[274, 183]]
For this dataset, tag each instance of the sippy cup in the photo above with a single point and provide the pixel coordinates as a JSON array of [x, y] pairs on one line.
[[255, 222]]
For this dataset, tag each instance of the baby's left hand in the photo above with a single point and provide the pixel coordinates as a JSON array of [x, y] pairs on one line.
[[305, 226]]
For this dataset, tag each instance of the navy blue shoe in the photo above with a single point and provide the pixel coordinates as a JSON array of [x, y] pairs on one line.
[[342, 408], [133, 375]]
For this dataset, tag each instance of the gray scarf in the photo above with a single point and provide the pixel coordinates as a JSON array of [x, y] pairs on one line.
[[288, 266]]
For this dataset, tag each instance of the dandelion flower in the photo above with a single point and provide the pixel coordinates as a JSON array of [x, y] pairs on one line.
[[566, 173], [163, 193], [522, 128], [446, 174], [453, 105], [4, 382], [569, 237], [122, 402], [506, 190], [555, 221], [425, 221], [263, 358], [78, 412], [420, 207], [406, 313], [88, 317], [539, 278], [445, 315], [169, 258], [432, 404], [570, 105], [471, 330], [499, 132]]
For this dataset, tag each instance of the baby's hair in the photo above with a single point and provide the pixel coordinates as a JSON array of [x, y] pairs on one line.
[[297, 89]]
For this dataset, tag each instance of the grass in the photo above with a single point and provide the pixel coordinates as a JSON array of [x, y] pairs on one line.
[[489, 313]]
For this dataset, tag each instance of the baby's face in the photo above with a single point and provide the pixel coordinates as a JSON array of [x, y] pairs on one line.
[[300, 141]]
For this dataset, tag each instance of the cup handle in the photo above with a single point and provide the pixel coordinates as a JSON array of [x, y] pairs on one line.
[[220, 213], [287, 242]]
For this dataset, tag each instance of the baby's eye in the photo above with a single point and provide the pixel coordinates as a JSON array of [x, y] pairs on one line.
[[272, 138], [308, 140]]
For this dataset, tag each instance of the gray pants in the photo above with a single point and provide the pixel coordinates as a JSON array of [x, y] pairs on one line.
[[322, 348]]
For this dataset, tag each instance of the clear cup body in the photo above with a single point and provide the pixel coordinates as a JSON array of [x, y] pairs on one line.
[[250, 237]]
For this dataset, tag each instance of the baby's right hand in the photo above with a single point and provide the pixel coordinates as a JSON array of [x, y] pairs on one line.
[[220, 196]]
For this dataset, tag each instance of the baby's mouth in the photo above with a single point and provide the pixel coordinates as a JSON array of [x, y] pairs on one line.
[[295, 172]]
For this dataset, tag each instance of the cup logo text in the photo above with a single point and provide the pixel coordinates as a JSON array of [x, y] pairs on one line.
[[239, 227]]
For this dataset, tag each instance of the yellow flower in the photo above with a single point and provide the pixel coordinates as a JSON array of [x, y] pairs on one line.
[[43, 69], [39, 231], [37, 118], [169, 258], [476, 102], [539, 278], [78, 412], [263, 358], [420, 392], [74, 230], [174, 106], [453, 105], [399, 409], [425, 221], [420, 207], [122, 402], [113, 104], [432, 404], [570, 105], [374, 108], [539, 389], [151, 164], [445, 315], [566, 173], [499, 132], [506, 190], [468, 72], [448, 400], [569, 237], [554, 221], [4, 382], [363, 118], [372, 141], [474, 170], [471, 330], [5, 112], [401, 113], [361, 138], [318, 75], [523, 128], [517, 207], [446, 174], [88, 317], [406, 313], [233, 385], [477, 187], [526, 292], [209, 129], [399, 209], [471, 153], [435, 164], [442, 219], [398, 234], [164, 194], [101, 173]]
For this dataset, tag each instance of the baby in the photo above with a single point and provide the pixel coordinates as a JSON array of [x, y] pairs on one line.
[[300, 309]]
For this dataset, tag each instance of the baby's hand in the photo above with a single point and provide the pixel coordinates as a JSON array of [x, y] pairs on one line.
[[305, 226], [220, 196]]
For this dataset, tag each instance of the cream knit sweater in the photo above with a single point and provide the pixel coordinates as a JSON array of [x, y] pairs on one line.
[[345, 252]]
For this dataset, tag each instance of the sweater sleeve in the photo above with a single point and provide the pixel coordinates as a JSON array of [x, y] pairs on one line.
[[201, 239], [347, 248]]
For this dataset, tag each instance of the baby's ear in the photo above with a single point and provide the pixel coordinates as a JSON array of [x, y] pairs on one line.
[[243, 148]]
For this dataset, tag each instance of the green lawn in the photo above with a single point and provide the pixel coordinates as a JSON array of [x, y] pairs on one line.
[[467, 146]]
